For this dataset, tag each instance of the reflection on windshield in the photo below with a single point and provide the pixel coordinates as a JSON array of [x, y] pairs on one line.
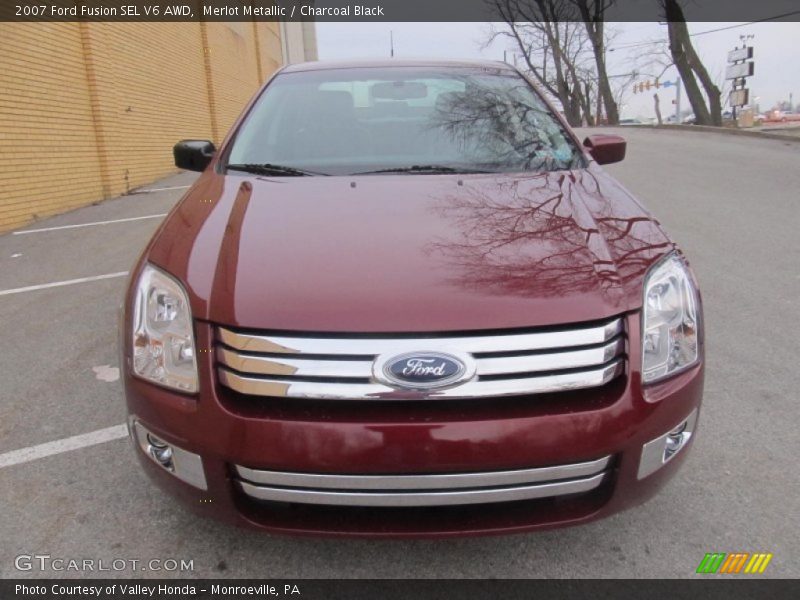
[[499, 126], [346, 121]]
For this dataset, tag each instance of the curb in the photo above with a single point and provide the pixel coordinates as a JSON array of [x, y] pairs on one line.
[[721, 130]]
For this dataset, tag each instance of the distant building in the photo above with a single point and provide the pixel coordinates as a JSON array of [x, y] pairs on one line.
[[91, 110]]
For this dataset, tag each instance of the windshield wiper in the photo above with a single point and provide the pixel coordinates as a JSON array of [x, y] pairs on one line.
[[423, 169], [270, 169]]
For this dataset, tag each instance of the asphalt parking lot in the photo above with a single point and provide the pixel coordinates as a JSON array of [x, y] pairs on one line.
[[732, 203]]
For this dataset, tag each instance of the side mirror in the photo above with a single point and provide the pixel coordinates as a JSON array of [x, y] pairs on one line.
[[193, 155], [606, 149]]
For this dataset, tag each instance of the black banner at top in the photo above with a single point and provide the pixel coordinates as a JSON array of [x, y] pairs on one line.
[[380, 10]]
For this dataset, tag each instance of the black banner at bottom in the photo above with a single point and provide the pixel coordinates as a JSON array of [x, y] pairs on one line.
[[405, 589]]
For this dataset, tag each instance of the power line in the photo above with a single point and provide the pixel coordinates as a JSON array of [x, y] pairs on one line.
[[776, 17], [637, 45]]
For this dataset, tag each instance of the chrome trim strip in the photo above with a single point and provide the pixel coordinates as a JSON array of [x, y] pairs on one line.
[[408, 499], [367, 346], [438, 481], [371, 391], [533, 363], [288, 366]]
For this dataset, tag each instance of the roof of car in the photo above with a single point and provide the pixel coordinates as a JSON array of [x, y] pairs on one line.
[[394, 62]]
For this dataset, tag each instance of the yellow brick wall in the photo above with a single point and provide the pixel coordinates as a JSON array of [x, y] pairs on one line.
[[49, 160], [269, 43], [232, 59], [91, 110]]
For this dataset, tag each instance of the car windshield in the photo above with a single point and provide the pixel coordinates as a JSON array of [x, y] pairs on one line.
[[402, 120]]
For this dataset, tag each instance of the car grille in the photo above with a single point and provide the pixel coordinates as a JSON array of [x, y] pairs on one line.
[[340, 367], [441, 489]]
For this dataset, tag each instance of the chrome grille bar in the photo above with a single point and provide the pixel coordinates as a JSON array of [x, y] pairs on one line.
[[343, 367], [369, 346], [528, 363], [422, 490], [437, 481], [285, 388], [284, 365]]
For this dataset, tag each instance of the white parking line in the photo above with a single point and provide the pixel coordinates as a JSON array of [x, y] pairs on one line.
[[25, 231], [43, 286], [101, 436]]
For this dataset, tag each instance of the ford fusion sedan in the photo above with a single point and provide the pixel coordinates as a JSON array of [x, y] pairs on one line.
[[404, 299]]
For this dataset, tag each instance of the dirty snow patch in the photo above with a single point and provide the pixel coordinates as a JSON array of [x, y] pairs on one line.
[[106, 373]]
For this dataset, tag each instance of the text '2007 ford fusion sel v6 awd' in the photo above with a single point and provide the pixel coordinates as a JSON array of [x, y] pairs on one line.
[[403, 299]]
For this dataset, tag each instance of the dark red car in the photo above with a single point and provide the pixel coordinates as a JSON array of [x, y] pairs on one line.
[[403, 299]]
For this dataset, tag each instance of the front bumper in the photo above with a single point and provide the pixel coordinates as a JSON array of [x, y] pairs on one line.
[[263, 459]]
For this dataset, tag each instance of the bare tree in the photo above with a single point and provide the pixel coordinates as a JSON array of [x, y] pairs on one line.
[[621, 86], [691, 68], [652, 60], [593, 14], [555, 48]]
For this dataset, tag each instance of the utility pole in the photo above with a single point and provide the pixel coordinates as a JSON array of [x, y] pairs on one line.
[[391, 43]]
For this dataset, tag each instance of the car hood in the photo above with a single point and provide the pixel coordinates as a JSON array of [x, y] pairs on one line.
[[409, 253]]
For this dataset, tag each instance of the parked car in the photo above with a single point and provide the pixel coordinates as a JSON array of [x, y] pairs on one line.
[[781, 116], [775, 116], [404, 299], [628, 122]]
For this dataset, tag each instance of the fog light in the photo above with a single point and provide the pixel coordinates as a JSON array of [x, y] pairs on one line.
[[675, 440], [656, 453], [186, 466], [160, 451]]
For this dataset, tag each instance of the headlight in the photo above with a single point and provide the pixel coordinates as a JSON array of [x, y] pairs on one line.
[[163, 340], [670, 320]]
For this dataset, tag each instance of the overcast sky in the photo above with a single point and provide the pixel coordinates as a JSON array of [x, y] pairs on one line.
[[777, 52]]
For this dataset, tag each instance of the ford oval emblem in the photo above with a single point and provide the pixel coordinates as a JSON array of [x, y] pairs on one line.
[[423, 370]]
